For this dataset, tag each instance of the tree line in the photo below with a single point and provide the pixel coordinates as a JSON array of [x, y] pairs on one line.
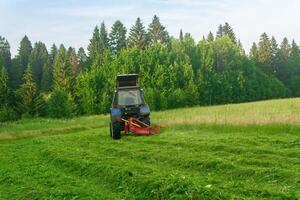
[[174, 72]]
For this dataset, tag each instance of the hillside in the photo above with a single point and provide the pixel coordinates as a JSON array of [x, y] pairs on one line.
[[248, 151]]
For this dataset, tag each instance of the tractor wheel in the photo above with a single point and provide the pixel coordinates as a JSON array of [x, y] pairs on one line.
[[115, 130], [146, 120]]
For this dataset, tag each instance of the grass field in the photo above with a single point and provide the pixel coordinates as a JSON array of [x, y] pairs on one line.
[[241, 151]]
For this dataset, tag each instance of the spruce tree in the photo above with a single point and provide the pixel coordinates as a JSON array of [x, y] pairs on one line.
[[94, 45], [254, 51], [227, 30], [62, 71], [210, 37], [117, 37], [220, 31], [74, 63], [3, 87], [24, 53], [157, 32], [82, 59], [264, 57], [5, 59], [181, 35], [53, 53], [103, 38], [38, 59], [242, 50], [137, 36], [30, 100]]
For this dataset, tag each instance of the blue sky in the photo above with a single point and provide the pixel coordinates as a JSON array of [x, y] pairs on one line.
[[71, 22]]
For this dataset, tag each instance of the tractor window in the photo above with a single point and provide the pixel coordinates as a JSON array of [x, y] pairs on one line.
[[129, 97]]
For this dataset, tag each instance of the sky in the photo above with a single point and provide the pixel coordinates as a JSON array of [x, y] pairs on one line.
[[71, 22]]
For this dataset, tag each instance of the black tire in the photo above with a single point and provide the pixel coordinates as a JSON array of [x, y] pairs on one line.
[[146, 120], [115, 130]]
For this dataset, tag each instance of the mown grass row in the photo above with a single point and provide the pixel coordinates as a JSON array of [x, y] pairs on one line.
[[244, 151], [203, 162]]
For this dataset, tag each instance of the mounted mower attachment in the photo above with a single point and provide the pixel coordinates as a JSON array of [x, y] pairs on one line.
[[138, 127]]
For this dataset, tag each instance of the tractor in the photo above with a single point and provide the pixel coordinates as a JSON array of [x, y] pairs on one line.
[[129, 111]]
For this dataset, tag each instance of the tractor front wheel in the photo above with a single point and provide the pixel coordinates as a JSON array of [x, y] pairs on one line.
[[115, 130]]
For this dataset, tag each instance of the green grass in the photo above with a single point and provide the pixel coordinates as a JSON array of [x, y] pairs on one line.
[[242, 151]]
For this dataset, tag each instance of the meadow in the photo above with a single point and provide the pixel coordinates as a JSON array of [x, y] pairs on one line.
[[238, 151]]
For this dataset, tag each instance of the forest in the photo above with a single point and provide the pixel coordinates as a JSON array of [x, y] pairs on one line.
[[174, 71]]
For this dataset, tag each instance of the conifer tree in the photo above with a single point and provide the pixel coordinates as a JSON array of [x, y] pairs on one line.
[[38, 59], [82, 59], [103, 38], [3, 87], [254, 51], [264, 57], [157, 32], [30, 100], [5, 59], [242, 50], [24, 53], [94, 45], [62, 71], [181, 35], [210, 37], [137, 36], [53, 53], [117, 37]]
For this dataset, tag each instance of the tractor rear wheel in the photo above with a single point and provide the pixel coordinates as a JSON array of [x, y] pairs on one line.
[[115, 130]]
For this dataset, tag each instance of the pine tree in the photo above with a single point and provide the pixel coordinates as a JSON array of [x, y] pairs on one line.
[[94, 45], [137, 36], [104, 40], [157, 32], [210, 37], [117, 37], [62, 71]]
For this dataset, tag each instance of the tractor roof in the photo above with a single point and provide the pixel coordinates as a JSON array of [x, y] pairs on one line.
[[127, 80]]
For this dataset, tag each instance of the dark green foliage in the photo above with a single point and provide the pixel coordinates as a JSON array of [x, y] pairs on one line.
[[117, 37], [24, 53], [38, 60], [3, 87], [60, 104], [174, 72], [104, 41], [94, 45]]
